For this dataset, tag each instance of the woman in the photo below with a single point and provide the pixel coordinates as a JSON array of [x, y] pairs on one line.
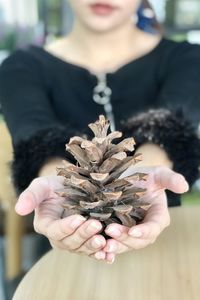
[[106, 65]]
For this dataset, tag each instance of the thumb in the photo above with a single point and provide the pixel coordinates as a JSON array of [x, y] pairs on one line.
[[30, 198], [170, 180]]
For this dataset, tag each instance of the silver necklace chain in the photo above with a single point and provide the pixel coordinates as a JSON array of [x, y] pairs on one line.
[[102, 95]]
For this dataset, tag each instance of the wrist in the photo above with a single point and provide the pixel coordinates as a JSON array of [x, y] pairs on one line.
[[49, 168], [153, 155]]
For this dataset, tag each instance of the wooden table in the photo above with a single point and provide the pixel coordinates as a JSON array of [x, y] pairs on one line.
[[167, 270]]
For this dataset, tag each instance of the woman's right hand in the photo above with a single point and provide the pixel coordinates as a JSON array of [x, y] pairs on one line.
[[73, 233]]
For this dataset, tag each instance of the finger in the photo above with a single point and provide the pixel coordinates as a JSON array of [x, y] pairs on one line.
[[149, 231], [82, 234], [40, 189], [119, 233], [110, 258], [113, 246], [96, 243], [56, 230], [56, 245], [168, 179], [141, 235], [157, 216], [155, 221], [128, 242], [99, 255]]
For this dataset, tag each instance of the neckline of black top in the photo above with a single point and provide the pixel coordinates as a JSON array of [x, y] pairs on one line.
[[83, 69]]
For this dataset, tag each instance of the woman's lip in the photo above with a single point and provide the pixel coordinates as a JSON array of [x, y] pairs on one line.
[[102, 9]]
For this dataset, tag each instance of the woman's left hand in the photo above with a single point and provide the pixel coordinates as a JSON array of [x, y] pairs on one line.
[[123, 238]]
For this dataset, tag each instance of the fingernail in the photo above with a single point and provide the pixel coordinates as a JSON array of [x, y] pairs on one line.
[[96, 243], [100, 255], [135, 232], [111, 248], [111, 261], [77, 222], [113, 231], [93, 226]]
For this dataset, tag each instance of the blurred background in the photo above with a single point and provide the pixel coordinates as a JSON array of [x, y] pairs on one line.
[[39, 22]]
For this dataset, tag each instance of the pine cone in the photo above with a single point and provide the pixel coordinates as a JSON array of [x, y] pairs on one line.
[[92, 187]]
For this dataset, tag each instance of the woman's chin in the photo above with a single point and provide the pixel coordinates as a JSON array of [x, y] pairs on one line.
[[102, 26]]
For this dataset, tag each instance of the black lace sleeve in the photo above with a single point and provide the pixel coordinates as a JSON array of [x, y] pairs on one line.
[[175, 134], [32, 153]]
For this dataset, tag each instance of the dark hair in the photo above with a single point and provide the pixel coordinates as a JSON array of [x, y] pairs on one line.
[[148, 22]]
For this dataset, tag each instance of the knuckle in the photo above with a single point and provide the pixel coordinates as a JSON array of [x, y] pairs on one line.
[[52, 236], [80, 250], [66, 245], [83, 235], [56, 245], [64, 230], [70, 246], [73, 242]]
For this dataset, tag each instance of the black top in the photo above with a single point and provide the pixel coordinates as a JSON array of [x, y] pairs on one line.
[[40, 92], [38, 89]]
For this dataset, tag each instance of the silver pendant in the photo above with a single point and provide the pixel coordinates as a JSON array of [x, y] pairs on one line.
[[102, 95]]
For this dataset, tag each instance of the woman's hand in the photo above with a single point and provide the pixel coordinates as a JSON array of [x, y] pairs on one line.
[[73, 233], [157, 219], [76, 234]]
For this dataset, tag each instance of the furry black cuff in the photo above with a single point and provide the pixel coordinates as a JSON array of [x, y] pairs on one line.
[[174, 133], [31, 154]]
